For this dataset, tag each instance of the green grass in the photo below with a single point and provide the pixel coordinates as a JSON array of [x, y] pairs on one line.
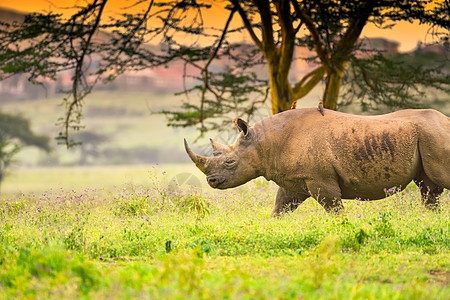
[[157, 242]]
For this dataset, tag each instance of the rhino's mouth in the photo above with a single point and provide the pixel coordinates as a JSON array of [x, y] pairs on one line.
[[215, 181]]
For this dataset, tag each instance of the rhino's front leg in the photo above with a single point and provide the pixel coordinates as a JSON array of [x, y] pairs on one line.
[[327, 193], [287, 201]]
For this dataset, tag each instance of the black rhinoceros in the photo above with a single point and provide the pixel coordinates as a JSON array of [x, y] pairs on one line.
[[335, 156]]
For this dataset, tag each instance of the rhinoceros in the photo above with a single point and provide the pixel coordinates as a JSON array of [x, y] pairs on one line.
[[335, 156]]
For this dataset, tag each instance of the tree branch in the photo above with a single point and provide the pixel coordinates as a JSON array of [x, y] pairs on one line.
[[347, 43], [136, 28], [268, 42], [204, 70], [315, 35], [301, 89], [247, 24], [288, 34], [79, 73], [224, 32], [249, 112]]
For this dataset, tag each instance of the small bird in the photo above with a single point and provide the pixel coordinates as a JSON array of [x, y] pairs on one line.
[[320, 108], [294, 105], [235, 122]]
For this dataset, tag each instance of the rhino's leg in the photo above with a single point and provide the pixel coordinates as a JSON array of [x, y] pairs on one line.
[[429, 191], [286, 201], [328, 194]]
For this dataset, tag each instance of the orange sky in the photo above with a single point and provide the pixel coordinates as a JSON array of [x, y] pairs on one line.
[[405, 33]]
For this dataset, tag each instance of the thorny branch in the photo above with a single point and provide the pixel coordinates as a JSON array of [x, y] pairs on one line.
[[77, 98], [204, 70]]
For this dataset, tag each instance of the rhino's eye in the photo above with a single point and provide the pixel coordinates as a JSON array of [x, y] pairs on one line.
[[230, 163]]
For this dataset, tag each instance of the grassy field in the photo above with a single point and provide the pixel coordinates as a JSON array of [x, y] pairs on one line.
[[132, 233]]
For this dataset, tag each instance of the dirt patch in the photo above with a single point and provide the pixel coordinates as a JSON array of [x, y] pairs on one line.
[[441, 276]]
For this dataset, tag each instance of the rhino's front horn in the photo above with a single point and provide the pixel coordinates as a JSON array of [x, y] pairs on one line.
[[199, 161]]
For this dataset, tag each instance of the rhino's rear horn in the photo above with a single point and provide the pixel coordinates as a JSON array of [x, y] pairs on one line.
[[199, 161], [218, 148]]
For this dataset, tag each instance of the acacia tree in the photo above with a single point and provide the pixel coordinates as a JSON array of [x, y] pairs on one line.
[[15, 133], [44, 44], [89, 142]]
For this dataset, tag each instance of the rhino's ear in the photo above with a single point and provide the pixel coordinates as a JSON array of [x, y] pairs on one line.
[[242, 125]]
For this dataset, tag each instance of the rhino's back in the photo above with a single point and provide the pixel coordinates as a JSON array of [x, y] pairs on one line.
[[366, 154]]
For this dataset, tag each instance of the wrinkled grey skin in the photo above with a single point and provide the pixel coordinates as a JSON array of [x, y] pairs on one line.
[[336, 156]]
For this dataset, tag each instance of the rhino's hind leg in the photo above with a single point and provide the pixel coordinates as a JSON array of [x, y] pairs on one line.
[[328, 194], [429, 191], [331, 205], [286, 201]]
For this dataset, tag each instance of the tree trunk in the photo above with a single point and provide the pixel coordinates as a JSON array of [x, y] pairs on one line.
[[333, 85], [279, 89], [279, 93]]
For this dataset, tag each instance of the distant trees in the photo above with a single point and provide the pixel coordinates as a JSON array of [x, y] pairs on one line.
[[45, 44], [415, 79], [15, 133], [89, 142]]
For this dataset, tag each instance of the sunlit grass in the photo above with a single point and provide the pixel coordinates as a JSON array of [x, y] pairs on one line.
[[164, 241]]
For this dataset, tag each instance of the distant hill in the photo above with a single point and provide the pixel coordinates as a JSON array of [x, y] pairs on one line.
[[9, 15]]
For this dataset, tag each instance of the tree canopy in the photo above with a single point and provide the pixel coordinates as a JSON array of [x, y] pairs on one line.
[[15, 132], [44, 44], [14, 127]]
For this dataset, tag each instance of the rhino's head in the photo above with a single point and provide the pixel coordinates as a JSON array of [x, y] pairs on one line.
[[232, 165]]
